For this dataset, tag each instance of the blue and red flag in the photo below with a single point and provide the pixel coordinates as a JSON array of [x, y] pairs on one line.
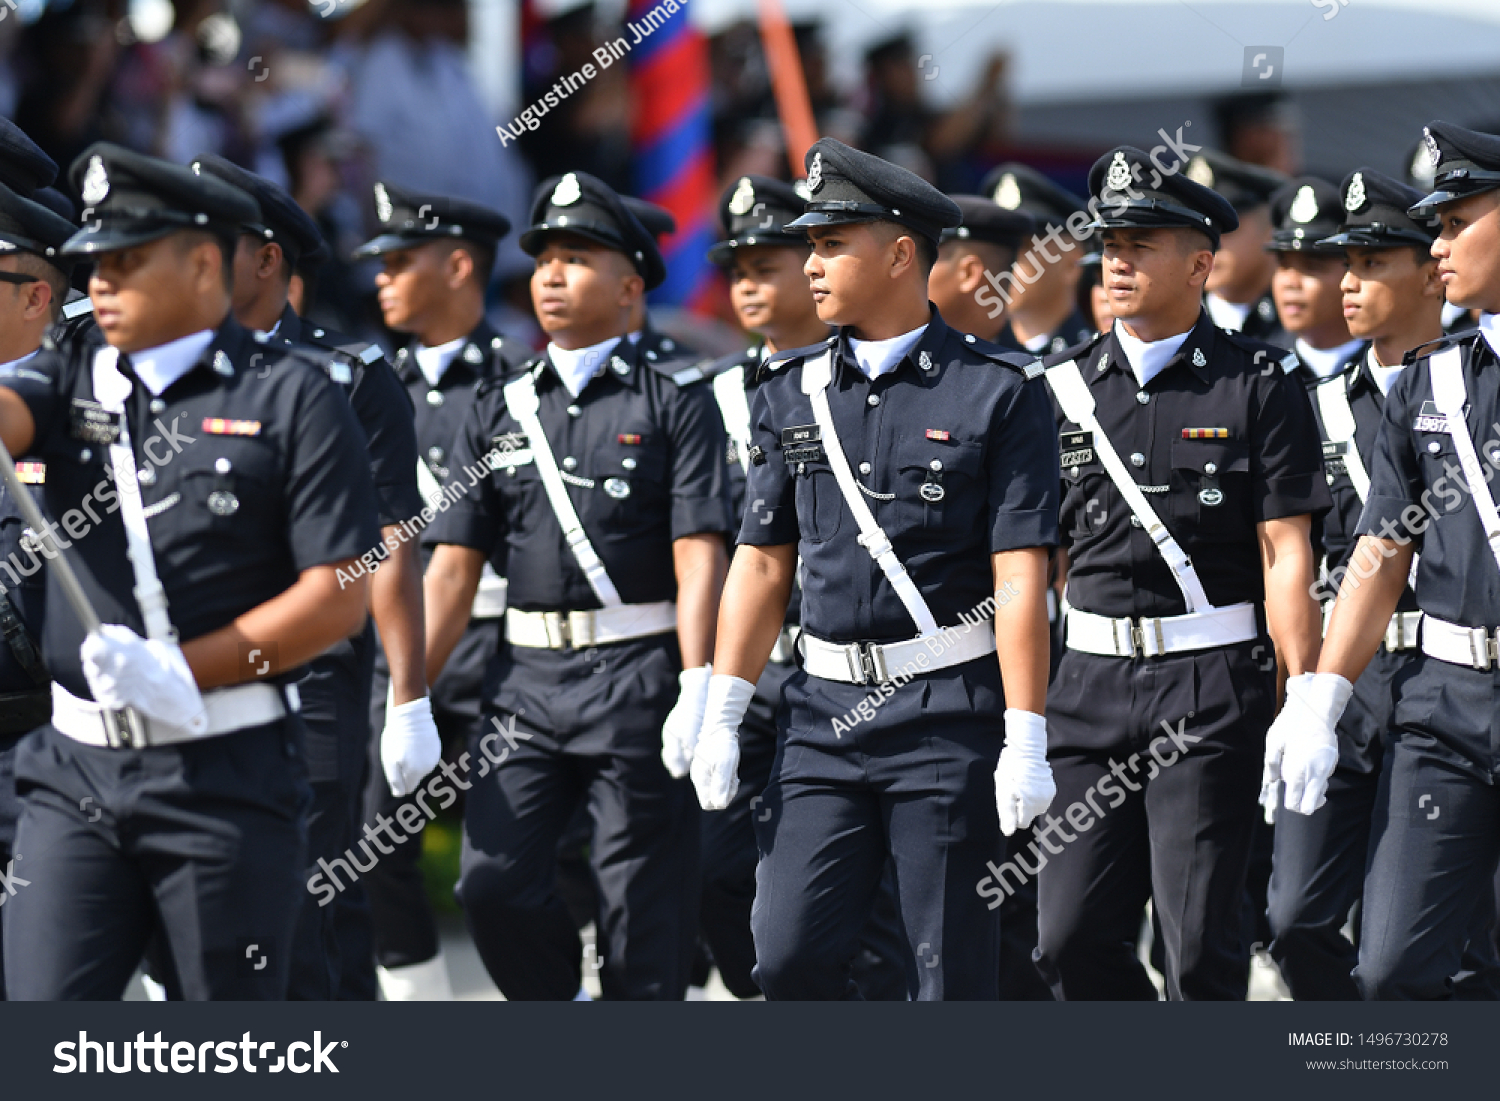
[[672, 138]]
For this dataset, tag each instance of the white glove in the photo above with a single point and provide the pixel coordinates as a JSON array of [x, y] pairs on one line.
[[716, 761], [125, 670], [1302, 747], [679, 734], [409, 745], [1024, 787]]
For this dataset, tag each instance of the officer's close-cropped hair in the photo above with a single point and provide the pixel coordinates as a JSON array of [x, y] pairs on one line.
[[483, 257], [189, 239], [31, 264], [996, 258], [927, 250]]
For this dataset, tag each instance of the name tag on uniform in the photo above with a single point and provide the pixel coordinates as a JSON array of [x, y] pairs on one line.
[[1431, 420], [511, 449], [802, 443], [92, 422], [1077, 448]]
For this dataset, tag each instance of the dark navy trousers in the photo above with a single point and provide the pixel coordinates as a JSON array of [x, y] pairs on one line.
[[913, 787]]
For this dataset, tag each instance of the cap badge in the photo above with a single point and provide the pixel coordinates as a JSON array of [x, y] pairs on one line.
[[1354, 198], [383, 209], [1429, 143], [1199, 360], [95, 182], [567, 192], [743, 199], [1305, 206], [1008, 193], [1200, 172], [815, 173], [1118, 176]]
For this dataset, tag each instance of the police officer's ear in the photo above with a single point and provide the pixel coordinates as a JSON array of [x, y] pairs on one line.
[[1199, 252], [268, 259], [209, 260], [458, 267]]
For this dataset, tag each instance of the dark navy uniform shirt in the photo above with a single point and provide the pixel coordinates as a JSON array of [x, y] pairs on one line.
[[381, 405], [23, 584], [1416, 468], [978, 429], [1075, 330], [255, 476], [643, 460], [1264, 323], [1222, 439], [440, 410]]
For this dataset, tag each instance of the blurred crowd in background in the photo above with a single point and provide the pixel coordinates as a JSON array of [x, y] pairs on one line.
[[328, 96]]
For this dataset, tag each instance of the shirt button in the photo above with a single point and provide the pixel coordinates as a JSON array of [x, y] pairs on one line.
[[936, 464], [1210, 468], [435, 455], [147, 476], [569, 463], [873, 400], [85, 455], [434, 397], [1434, 447], [158, 406], [574, 411], [1143, 397], [1137, 459], [1329, 477], [222, 465], [968, 338], [628, 463], [1074, 471], [865, 468]]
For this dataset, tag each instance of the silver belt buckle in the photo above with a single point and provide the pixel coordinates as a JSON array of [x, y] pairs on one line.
[[1154, 626], [123, 729], [1131, 637], [583, 629], [866, 663], [558, 631], [1484, 650]]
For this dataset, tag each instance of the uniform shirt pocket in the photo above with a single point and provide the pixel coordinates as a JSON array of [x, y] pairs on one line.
[[1210, 487], [225, 487], [937, 484]]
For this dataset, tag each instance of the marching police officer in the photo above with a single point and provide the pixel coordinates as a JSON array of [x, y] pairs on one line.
[[335, 693], [988, 240], [169, 786], [437, 254], [1189, 477], [769, 292], [1305, 212], [1038, 291], [1238, 292], [902, 441], [593, 470], [1434, 837], [36, 279], [1393, 299]]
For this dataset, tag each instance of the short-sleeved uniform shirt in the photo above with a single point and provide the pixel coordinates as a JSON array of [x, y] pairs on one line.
[[1418, 490], [248, 477], [1219, 441], [380, 404], [957, 415], [439, 411], [643, 460]]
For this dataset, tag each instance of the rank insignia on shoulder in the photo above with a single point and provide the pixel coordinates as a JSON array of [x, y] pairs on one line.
[[938, 434], [1290, 362], [371, 354], [629, 438], [1205, 433], [340, 373], [219, 426], [32, 473], [688, 375], [757, 456], [1035, 368]]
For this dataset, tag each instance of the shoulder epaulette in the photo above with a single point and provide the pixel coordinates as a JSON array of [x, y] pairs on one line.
[[1451, 340], [1027, 363], [77, 308], [1077, 351], [796, 355]]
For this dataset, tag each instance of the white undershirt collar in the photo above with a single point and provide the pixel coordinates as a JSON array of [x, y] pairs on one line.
[[1384, 376], [576, 366], [163, 365], [881, 357], [434, 362], [6, 368], [1226, 314], [1489, 325], [1325, 362], [1147, 359]]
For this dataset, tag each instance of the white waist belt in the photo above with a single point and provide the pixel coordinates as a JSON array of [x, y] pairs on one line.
[[489, 598], [1400, 633], [229, 709], [877, 663], [597, 627], [1476, 647], [1146, 637]]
